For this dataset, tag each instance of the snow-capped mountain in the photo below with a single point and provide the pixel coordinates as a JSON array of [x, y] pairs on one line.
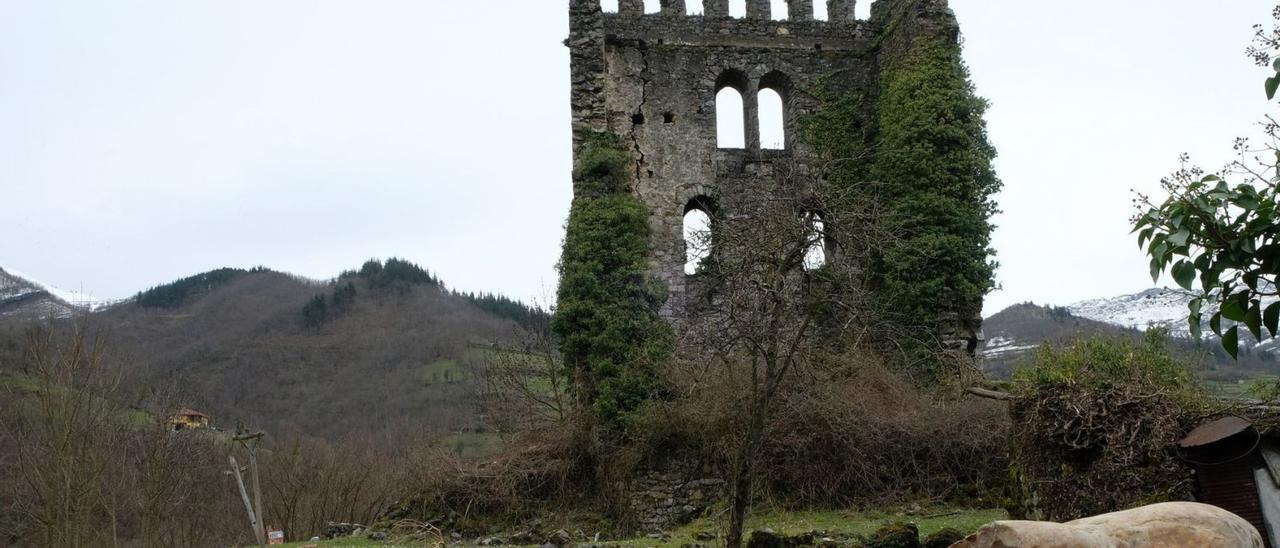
[[1157, 307], [23, 297], [1014, 333], [1160, 307]]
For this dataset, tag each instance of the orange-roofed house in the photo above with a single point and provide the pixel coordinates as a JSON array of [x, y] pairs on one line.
[[189, 419]]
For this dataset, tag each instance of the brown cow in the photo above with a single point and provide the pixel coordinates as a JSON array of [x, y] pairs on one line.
[[1168, 525]]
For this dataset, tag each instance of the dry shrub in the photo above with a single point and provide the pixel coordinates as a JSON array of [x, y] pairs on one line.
[[847, 433], [308, 482], [1095, 428], [536, 474], [868, 436], [79, 468]]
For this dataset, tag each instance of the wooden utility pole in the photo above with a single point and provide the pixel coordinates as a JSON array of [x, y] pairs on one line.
[[248, 506], [256, 518]]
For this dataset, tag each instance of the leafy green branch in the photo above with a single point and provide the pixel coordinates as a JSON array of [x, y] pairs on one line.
[[1221, 230]]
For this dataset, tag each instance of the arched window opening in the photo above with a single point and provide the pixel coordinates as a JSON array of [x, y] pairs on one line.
[[737, 8], [731, 119], [693, 7], [697, 237], [820, 10], [773, 133], [653, 6], [815, 256], [609, 6], [862, 10]]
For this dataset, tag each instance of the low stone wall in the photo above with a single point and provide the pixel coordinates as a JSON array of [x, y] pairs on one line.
[[661, 500]]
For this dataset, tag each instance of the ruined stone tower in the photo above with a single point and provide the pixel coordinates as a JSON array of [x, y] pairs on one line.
[[653, 79]]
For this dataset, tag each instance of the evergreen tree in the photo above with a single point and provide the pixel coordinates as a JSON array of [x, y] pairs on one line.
[[315, 312], [611, 336], [933, 160], [344, 296], [926, 160], [174, 294]]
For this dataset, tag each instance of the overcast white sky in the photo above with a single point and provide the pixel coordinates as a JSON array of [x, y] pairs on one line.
[[146, 140]]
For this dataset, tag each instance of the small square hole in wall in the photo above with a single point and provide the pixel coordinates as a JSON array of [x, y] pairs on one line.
[[817, 47], [637, 119], [650, 173], [668, 117]]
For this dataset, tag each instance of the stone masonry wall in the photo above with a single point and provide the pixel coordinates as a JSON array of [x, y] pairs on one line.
[[661, 500]]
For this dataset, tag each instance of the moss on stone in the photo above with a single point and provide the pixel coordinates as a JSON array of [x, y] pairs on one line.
[[895, 535]]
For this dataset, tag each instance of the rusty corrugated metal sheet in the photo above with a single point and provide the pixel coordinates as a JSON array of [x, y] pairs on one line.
[[1231, 486], [1214, 432]]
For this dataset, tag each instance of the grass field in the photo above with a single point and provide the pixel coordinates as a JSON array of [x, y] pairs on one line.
[[24, 388], [471, 445], [929, 520], [1234, 390]]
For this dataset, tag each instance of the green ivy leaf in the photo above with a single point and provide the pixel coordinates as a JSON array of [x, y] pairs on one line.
[[1193, 321], [1180, 237], [1253, 320], [1272, 318], [1185, 274], [1231, 342], [1273, 83], [1251, 279], [1143, 236], [1215, 323], [1233, 309]]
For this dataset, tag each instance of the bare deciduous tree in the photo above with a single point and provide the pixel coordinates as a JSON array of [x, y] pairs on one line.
[[525, 387], [782, 288], [64, 471]]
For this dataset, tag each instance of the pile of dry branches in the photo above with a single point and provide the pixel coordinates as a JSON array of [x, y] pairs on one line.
[[1095, 431]]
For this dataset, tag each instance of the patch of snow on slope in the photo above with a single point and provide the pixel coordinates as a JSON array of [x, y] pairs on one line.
[[1161, 307], [1001, 345], [78, 299], [12, 288]]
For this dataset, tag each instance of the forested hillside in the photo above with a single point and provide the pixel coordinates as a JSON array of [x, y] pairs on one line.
[[386, 350]]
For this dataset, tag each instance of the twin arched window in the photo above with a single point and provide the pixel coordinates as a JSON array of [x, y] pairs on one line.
[[734, 109]]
